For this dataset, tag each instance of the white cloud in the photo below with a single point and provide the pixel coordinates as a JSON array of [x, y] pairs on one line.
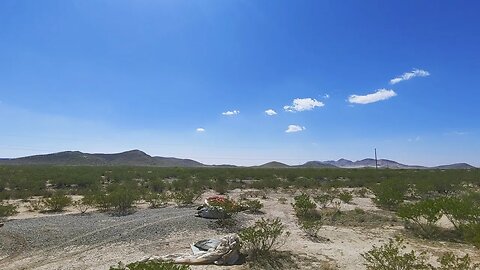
[[303, 104], [231, 113], [381, 94], [410, 75], [326, 96], [200, 129], [294, 128], [270, 112]]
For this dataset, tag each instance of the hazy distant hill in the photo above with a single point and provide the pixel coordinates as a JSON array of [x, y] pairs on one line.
[[455, 166], [274, 164], [370, 162], [316, 164], [131, 158], [139, 158]]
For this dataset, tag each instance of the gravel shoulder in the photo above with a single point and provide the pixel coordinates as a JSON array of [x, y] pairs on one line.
[[96, 239]]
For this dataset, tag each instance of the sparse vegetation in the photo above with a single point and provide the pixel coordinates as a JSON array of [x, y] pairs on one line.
[[392, 256], [345, 196], [150, 265]]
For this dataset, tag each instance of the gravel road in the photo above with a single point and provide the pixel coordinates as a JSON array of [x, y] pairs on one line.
[[33, 243]]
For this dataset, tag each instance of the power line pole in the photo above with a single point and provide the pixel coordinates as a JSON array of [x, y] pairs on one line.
[[376, 161]]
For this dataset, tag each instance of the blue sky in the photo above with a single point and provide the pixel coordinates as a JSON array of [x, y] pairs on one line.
[[109, 76]]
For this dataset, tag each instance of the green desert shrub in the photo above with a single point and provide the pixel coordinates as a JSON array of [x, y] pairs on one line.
[[85, 203], [423, 214], [253, 206], [345, 196], [157, 185], [471, 233], [7, 210], [304, 206], [362, 193], [185, 197], [150, 265], [101, 201], [324, 199], [389, 194], [36, 205], [450, 261], [459, 211], [57, 202], [156, 200], [122, 200], [392, 256], [262, 237]]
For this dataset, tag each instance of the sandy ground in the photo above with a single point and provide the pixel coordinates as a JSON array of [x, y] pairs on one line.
[[342, 251]]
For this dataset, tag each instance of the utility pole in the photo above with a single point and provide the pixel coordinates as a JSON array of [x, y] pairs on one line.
[[376, 161]]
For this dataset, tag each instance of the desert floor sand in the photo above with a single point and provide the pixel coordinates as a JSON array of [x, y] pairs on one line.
[[97, 240]]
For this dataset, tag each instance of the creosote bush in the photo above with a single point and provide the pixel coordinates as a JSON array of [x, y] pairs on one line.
[[303, 206], [121, 200], [263, 237], [87, 202], [392, 256], [423, 214], [57, 202], [185, 197], [157, 200], [389, 194]]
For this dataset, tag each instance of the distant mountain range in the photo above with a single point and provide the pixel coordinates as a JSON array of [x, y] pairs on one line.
[[139, 158], [76, 158]]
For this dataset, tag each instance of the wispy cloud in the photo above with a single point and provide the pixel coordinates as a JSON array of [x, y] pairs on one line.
[[270, 112], [410, 75], [230, 113], [457, 133], [416, 139], [294, 128], [200, 130], [326, 96], [303, 104], [381, 94]]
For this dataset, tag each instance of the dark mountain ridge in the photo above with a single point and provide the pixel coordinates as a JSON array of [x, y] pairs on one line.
[[140, 158], [76, 158]]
